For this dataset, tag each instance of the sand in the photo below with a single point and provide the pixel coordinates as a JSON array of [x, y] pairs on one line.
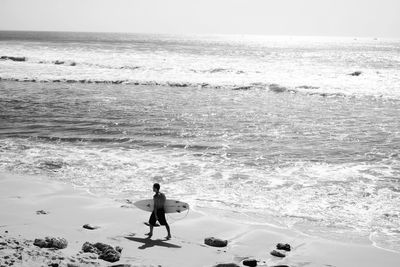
[[65, 210]]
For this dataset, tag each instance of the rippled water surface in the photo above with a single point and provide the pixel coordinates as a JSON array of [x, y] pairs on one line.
[[300, 144], [311, 65]]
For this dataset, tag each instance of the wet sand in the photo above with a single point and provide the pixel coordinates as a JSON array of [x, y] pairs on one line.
[[35, 207]]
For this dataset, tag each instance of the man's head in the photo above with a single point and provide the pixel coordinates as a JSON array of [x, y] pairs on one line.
[[156, 187]]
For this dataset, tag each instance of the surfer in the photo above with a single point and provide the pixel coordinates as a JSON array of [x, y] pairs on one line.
[[158, 213]]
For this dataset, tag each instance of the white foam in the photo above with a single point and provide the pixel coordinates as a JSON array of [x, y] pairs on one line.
[[323, 64]]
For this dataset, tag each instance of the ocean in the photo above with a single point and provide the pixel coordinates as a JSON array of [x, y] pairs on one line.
[[297, 132]]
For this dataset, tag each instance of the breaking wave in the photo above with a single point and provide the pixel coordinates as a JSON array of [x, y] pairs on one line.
[[272, 87], [66, 62], [123, 141]]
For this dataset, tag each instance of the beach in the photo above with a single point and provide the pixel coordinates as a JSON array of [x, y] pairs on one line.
[[68, 209], [269, 139]]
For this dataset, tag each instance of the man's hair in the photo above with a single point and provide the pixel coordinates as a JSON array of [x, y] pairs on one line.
[[156, 186]]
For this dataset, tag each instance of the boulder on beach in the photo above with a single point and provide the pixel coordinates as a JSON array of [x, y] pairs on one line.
[[105, 252], [277, 254], [90, 227], [90, 248], [250, 262], [51, 242], [215, 242], [110, 255], [226, 265], [282, 246]]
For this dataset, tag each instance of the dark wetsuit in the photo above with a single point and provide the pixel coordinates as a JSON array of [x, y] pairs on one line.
[[159, 201]]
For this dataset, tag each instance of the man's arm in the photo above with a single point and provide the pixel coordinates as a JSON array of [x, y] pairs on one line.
[[155, 207], [162, 200]]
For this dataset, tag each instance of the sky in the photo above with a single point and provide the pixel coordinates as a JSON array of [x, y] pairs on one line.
[[356, 18]]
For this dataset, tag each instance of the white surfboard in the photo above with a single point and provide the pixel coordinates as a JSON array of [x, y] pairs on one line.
[[170, 206]]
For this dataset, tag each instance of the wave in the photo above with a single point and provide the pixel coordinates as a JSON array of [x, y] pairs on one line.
[[18, 59], [51, 164], [124, 141], [59, 62], [272, 87], [126, 81], [218, 70], [67, 62], [275, 88], [72, 63], [309, 87]]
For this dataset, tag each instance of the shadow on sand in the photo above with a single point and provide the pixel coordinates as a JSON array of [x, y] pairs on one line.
[[148, 243]]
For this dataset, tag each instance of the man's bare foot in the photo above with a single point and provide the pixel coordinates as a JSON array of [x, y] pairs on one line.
[[149, 235]]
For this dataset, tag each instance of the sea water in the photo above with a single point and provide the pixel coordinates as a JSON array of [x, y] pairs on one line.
[[262, 129]]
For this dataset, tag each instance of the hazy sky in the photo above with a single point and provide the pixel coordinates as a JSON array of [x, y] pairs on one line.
[[372, 18]]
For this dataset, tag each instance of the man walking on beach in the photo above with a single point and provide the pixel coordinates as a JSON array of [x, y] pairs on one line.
[[158, 213]]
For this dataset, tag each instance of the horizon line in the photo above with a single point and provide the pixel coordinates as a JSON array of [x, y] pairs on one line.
[[206, 34]]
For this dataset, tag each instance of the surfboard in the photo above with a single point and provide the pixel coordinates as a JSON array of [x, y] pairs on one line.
[[171, 206]]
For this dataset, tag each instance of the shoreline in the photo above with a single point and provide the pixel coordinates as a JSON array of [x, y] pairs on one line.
[[66, 210]]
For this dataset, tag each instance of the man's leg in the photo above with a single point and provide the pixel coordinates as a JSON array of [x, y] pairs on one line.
[[168, 230], [152, 221], [163, 221], [150, 234]]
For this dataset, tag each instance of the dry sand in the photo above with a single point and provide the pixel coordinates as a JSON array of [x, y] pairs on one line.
[[69, 209]]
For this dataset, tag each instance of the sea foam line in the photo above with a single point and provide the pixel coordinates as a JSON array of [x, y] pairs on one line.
[[272, 87]]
